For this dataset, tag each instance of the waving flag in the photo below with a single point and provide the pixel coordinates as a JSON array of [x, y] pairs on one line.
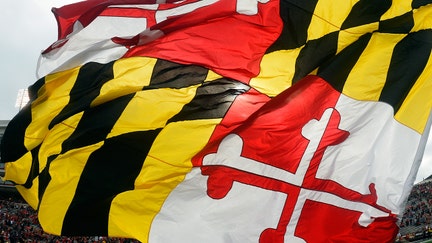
[[227, 121]]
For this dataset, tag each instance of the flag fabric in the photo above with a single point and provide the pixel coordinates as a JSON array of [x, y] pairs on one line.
[[227, 121]]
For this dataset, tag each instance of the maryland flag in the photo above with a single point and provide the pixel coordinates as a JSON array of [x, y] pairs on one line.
[[227, 120]]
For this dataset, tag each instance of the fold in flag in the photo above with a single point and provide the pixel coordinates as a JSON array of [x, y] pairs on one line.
[[227, 121]]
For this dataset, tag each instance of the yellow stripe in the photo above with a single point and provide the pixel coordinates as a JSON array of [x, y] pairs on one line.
[[422, 18], [19, 170], [277, 71], [30, 195], [52, 98], [164, 168], [130, 75], [65, 172], [328, 17], [147, 111], [166, 165], [348, 36], [398, 8], [417, 105], [366, 80], [212, 76], [52, 144]]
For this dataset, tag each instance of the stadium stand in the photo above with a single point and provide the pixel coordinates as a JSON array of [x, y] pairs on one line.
[[416, 222]]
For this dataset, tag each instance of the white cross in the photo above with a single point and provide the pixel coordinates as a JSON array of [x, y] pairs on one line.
[[229, 155]]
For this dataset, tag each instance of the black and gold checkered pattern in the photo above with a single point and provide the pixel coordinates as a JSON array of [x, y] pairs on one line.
[[368, 49], [113, 120]]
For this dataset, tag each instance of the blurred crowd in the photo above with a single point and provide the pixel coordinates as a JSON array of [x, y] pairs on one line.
[[418, 210], [416, 222]]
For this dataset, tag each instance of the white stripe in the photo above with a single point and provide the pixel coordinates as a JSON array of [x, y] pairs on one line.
[[91, 44]]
